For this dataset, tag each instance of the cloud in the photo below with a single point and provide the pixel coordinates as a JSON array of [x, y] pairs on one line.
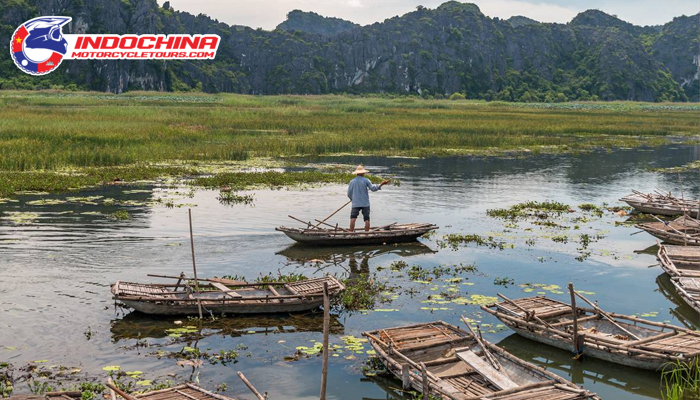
[[268, 13], [543, 12]]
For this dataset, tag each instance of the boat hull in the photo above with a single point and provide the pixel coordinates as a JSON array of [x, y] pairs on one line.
[[588, 350], [154, 308], [353, 240]]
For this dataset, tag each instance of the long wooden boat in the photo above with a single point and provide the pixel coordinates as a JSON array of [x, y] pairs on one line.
[[240, 298], [187, 391], [682, 263], [661, 204], [617, 338], [684, 231], [394, 233], [453, 364]]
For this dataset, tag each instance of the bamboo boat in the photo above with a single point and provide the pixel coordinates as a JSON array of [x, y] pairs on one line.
[[393, 233], [683, 231], [450, 363], [187, 391], [661, 204], [230, 298], [617, 338], [682, 263]]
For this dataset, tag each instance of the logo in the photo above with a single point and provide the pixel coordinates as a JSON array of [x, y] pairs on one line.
[[38, 45]]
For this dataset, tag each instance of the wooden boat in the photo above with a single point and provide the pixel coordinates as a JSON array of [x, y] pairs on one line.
[[232, 298], [187, 391], [661, 204], [683, 231], [454, 364], [682, 263], [394, 233], [620, 339]]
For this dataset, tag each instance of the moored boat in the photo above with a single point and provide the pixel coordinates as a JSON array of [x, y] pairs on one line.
[[608, 336], [451, 363], [684, 231], [394, 233], [682, 263], [231, 297], [661, 204]]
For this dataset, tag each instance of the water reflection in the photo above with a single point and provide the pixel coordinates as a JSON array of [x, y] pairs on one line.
[[683, 312], [140, 326], [302, 254]]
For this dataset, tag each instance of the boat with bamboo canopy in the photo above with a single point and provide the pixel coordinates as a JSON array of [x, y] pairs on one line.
[[222, 296], [661, 203], [443, 361], [684, 231], [608, 336], [682, 263]]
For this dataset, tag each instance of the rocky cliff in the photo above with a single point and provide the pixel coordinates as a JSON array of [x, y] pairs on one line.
[[429, 52]]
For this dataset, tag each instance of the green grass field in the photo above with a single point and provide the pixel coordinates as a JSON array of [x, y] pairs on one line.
[[53, 131]]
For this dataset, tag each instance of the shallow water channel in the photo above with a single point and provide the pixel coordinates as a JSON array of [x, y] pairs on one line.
[[59, 257]]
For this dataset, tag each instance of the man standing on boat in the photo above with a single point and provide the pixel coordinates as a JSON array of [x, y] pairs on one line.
[[358, 193]]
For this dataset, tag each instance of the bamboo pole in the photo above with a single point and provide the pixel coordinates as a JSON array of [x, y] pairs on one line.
[[120, 392], [606, 315], [194, 268], [112, 393], [251, 387], [326, 329], [426, 383], [336, 211], [487, 353], [574, 315]]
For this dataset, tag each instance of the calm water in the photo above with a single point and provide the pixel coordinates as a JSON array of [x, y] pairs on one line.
[[58, 261]]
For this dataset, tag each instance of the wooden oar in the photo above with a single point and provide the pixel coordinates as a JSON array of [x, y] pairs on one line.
[[606, 315], [336, 211]]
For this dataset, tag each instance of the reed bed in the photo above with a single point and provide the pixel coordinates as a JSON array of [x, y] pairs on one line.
[[52, 131]]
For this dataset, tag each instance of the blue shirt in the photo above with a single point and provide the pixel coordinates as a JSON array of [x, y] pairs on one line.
[[358, 191]]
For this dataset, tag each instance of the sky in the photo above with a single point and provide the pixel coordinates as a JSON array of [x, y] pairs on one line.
[[267, 14]]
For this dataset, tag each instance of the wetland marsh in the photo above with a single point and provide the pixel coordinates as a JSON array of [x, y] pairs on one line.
[[96, 189], [61, 251]]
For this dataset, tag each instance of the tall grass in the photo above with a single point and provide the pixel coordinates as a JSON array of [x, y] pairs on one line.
[[681, 381], [50, 131]]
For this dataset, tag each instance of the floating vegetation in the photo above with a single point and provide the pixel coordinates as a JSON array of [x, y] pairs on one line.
[[537, 209], [592, 208], [454, 240], [689, 167], [21, 218], [541, 288], [46, 202], [120, 215], [505, 281], [230, 198], [361, 293]]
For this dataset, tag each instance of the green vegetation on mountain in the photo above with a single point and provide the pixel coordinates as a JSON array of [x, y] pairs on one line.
[[453, 49], [311, 22]]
